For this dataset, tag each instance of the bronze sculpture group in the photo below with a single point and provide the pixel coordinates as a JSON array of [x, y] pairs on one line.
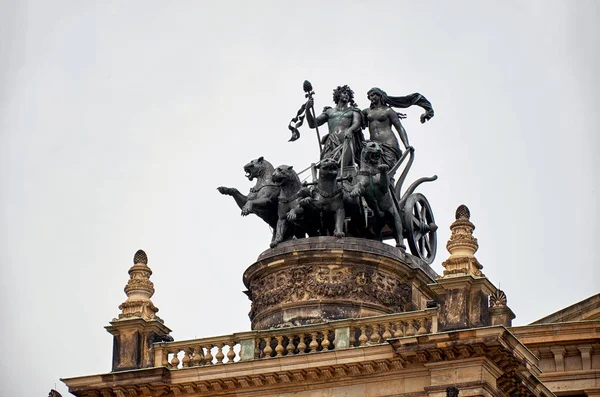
[[355, 193]]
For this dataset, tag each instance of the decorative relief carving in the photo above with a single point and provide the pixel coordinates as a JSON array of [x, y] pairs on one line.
[[498, 299], [317, 282]]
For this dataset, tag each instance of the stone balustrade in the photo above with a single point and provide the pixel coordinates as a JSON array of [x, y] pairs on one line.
[[307, 339]]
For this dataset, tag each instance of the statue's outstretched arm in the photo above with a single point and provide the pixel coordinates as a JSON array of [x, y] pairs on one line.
[[320, 119]]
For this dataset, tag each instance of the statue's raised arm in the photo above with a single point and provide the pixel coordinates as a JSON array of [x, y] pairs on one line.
[[344, 122]]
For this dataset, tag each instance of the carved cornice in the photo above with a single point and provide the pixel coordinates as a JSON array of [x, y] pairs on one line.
[[518, 368], [349, 250], [494, 348], [563, 333], [255, 382]]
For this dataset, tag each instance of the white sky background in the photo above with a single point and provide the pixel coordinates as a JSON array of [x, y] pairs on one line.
[[118, 120]]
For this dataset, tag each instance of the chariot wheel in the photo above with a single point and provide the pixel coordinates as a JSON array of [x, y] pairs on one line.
[[419, 224]]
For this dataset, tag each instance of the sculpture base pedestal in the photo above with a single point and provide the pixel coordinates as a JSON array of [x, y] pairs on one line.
[[320, 279]]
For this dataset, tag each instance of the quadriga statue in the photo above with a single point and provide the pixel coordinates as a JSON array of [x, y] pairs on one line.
[[373, 183], [326, 200], [291, 191], [352, 196], [262, 198]]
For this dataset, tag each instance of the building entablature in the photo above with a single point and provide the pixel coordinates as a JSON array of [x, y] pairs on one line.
[[326, 355], [569, 355]]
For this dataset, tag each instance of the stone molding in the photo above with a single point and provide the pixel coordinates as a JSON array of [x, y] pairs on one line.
[[262, 376], [494, 349], [516, 367], [569, 353]]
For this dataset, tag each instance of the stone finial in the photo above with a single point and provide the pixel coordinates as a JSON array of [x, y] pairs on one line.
[[139, 290], [462, 212], [140, 257], [138, 327], [462, 247]]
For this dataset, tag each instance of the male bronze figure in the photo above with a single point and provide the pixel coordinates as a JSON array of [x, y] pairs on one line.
[[344, 123]]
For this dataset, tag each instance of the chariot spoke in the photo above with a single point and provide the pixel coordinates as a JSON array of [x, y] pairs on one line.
[[423, 213], [416, 211], [427, 244], [416, 235], [416, 222]]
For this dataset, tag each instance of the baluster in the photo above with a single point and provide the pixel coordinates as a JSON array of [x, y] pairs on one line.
[[334, 341], [375, 335], [165, 358], [422, 330], [398, 332], [257, 351], [279, 348], [362, 339], [410, 329], [268, 350], [434, 324], [290, 346], [175, 359], [352, 336], [314, 344], [325, 343], [220, 356], [301, 345], [208, 357], [231, 352], [198, 356], [387, 334], [187, 357]]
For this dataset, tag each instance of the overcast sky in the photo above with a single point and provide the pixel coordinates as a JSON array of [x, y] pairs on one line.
[[118, 120]]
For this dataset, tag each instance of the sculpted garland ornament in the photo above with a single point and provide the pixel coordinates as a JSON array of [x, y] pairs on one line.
[[353, 191]]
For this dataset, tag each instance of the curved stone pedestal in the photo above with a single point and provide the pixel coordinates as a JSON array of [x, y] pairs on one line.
[[319, 279]]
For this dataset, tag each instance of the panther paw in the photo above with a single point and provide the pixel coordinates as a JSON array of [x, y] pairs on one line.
[[247, 209]]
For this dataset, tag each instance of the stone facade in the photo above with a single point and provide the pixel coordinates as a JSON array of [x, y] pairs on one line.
[[357, 318]]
